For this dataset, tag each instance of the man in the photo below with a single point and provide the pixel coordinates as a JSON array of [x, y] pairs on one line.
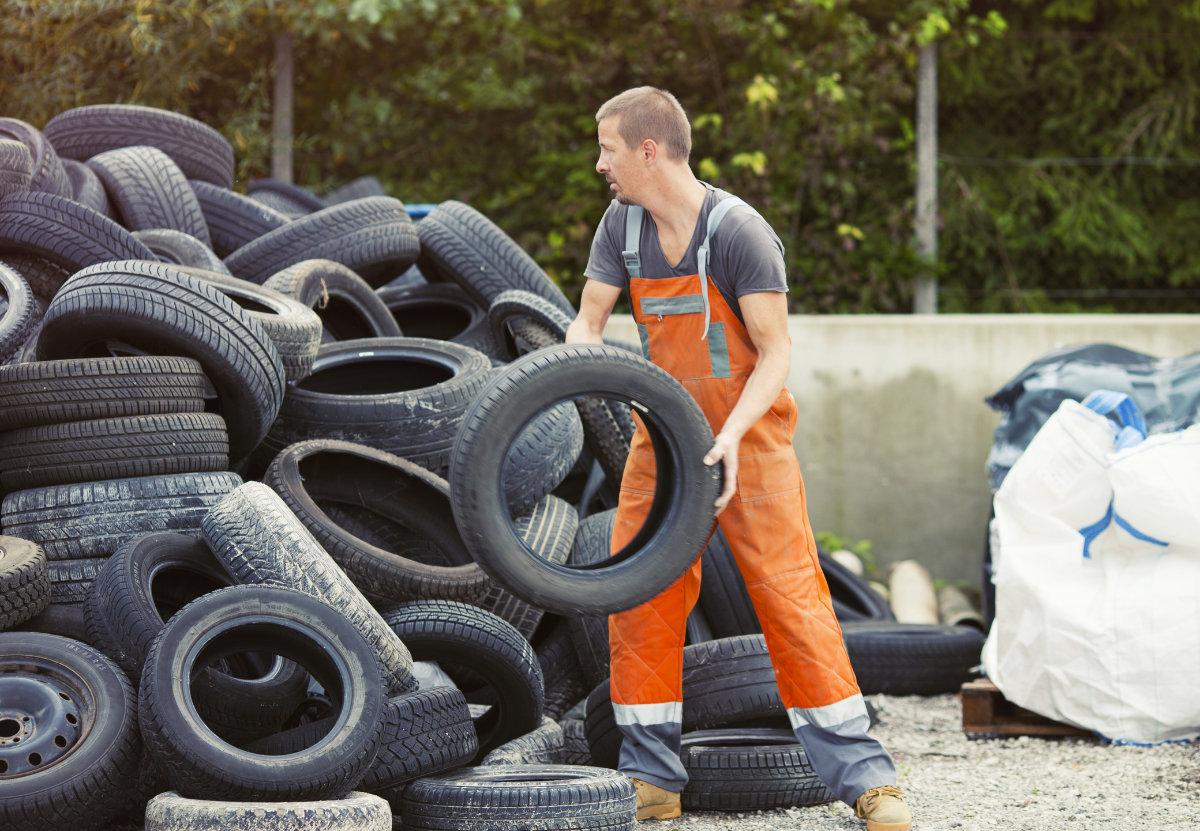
[[713, 313]]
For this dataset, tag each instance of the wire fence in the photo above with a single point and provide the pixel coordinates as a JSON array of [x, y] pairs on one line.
[[1070, 180]]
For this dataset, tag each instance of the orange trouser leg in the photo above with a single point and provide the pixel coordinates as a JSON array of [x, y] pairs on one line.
[[646, 642]]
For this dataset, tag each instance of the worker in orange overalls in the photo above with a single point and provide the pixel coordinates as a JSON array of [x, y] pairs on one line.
[[708, 292]]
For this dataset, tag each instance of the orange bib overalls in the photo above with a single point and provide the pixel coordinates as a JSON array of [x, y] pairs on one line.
[[688, 329]]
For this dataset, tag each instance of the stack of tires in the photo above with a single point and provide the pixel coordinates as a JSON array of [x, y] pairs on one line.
[[305, 512]]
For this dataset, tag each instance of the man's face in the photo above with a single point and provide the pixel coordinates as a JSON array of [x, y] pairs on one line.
[[620, 165]]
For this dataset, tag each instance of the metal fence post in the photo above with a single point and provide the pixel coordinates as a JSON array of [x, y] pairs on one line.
[[925, 299], [281, 110]]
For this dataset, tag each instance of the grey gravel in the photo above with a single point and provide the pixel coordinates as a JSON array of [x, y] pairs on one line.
[[1021, 783]]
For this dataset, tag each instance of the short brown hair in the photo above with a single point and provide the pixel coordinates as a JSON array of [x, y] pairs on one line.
[[651, 113]]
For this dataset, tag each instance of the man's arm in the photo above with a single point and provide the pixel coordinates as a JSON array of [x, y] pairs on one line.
[[766, 319], [595, 306]]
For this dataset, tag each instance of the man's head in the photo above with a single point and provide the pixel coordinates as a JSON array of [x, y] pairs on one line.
[[651, 113], [639, 130]]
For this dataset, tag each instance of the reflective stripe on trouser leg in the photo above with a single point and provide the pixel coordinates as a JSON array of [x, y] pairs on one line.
[[771, 539], [835, 740], [652, 735], [646, 647]]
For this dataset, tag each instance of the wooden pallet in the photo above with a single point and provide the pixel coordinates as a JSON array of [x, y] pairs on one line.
[[986, 714]]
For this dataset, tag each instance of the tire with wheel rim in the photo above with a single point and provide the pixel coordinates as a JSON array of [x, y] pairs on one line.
[[69, 741]]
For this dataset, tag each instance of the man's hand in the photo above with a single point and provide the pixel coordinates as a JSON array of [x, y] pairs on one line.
[[726, 450]]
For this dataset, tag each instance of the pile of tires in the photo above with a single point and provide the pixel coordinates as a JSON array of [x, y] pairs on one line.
[[305, 510]]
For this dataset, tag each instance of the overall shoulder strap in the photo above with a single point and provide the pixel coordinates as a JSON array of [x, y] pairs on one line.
[[633, 241], [714, 219]]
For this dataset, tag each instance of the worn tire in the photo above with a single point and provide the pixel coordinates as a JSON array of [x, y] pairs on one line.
[[65, 232], [442, 311], [374, 236], [356, 811], [312, 474], [199, 150], [112, 448], [346, 304], [912, 658], [680, 518], [459, 244], [260, 541], [24, 581], [20, 313], [521, 798], [158, 309], [271, 620], [93, 519], [485, 656], [76, 389], [149, 190], [233, 219], [748, 769]]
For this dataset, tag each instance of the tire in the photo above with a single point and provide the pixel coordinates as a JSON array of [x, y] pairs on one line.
[[46, 172], [140, 585], [562, 675], [373, 236], [20, 314], [293, 327], [178, 248], [76, 712], [86, 187], [272, 620], [112, 448], [77, 389], [442, 311], [355, 811], [93, 519], [368, 185], [424, 732], [260, 541], [149, 190], [727, 682], [346, 304], [16, 166], [548, 531], [607, 427], [45, 278], [751, 769], [541, 746], [521, 798], [853, 597], [233, 219], [589, 633], [158, 309], [912, 658], [199, 150], [24, 581], [485, 656], [311, 474], [68, 234], [285, 197], [459, 244], [402, 395], [680, 518], [70, 580]]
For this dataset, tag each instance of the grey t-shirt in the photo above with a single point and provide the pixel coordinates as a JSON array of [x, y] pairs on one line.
[[745, 254]]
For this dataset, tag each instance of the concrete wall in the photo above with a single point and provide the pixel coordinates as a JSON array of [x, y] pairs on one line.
[[894, 432]]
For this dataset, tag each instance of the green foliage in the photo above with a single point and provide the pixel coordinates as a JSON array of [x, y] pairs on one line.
[[803, 107], [1069, 162]]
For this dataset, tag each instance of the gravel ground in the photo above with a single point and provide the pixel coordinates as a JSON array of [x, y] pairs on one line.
[[1017, 784]]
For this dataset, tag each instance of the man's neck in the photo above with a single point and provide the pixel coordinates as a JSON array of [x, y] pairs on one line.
[[676, 205]]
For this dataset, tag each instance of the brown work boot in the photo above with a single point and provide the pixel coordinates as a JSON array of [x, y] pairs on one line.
[[654, 802], [884, 809]]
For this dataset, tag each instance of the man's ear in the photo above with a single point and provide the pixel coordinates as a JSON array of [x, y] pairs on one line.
[[649, 151]]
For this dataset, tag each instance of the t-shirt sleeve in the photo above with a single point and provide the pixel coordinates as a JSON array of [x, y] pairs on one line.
[[747, 248], [605, 262]]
